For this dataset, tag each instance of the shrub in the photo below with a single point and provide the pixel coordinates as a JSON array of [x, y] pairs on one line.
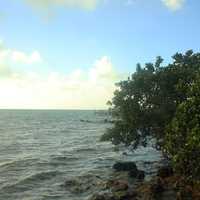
[[182, 141]]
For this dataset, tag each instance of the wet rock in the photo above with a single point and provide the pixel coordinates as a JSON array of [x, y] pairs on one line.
[[117, 195], [180, 183], [165, 172], [123, 195], [133, 173], [97, 197], [131, 194], [185, 189], [120, 195], [83, 184], [139, 174], [101, 197], [120, 185], [75, 186], [109, 184], [184, 194], [125, 166], [119, 190], [70, 183], [157, 188]]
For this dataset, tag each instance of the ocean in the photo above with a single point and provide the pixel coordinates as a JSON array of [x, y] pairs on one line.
[[57, 155]]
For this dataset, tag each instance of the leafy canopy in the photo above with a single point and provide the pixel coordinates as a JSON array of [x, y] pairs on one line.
[[182, 140], [146, 102]]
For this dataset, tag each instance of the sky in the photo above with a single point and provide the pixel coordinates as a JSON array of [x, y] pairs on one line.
[[68, 54]]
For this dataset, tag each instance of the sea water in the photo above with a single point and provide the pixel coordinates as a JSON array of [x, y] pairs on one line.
[[57, 154]]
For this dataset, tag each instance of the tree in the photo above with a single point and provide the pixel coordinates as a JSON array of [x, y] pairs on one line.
[[182, 141], [145, 103]]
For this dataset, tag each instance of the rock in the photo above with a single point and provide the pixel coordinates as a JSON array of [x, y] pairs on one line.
[[124, 195], [132, 194], [100, 197], [165, 172], [125, 153], [184, 194], [125, 166], [120, 185], [109, 184], [70, 183], [180, 183], [185, 191], [120, 195], [139, 174], [157, 187]]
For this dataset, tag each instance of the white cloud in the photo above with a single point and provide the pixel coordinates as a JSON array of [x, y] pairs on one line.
[[21, 57], [46, 4], [10, 55], [47, 7], [102, 70], [10, 59], [79, 89], [174, 4]]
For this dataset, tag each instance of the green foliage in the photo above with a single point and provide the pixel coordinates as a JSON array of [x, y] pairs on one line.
[[146, 102], [162, 102], [182, 141]]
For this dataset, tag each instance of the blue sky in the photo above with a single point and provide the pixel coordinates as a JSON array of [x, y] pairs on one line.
[[67, 37]]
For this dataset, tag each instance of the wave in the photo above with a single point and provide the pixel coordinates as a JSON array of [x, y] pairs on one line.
[[29, 182], [86, 149], [62, 160], [18, 163], [103, 121]]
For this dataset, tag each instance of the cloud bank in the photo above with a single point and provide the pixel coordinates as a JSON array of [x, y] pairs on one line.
[[21, 57], [46, 4], [79, 89], [174, 4], [9, 58], [92, 4]]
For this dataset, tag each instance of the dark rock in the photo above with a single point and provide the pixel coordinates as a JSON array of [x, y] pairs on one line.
[[180, 183], [139, 174], [109, 184], [119, 185], [105, 196], [98, 197], [120, 195], [132, 194], [157, 187], [125, 166], [124, 195], [165, 172], [133, 173], [184, 195], [70, 183]]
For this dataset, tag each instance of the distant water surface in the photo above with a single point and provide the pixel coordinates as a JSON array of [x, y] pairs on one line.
[[48, 155]]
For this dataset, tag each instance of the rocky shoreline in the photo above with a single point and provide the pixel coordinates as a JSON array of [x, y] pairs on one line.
[[164, 186]]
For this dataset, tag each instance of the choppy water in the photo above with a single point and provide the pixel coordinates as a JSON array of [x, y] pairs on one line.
[[44, 153]]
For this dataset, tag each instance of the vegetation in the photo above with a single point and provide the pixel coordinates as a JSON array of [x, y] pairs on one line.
[[182, 141], [161, 102]]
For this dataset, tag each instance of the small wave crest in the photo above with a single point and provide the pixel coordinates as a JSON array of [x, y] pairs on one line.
[[29, 182], [17, 163]]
